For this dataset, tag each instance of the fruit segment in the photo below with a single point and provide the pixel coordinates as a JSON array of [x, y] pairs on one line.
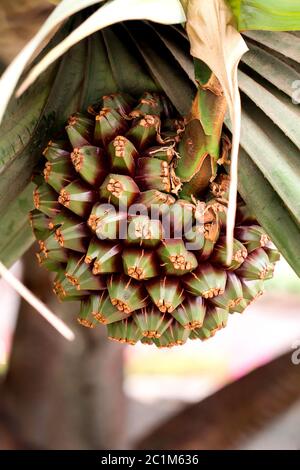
[[90, 162], [124, 331], [206, 281], [190, 314], [102, 310], [59, 173], [151, 322], [175, 259], [126, 294], [220, 252], [119, 190], [166, 293], [80, 130], [104, 256], [143, 134], [77, 197], [122, 155], [140, 264]]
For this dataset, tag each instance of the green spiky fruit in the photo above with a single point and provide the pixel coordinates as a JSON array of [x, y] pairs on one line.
[[116, 220]]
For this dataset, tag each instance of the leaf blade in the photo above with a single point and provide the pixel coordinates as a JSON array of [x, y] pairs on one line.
[[275, 156], [279, 108], [27, 128], [128, 70], [168, 12], [273, 15], [271, 68], [15, 233], [167, 73], [269, 210], [285, 43]]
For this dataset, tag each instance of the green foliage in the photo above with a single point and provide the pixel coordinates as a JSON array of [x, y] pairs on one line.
[[270, 15], [15, 233], [270, 210]]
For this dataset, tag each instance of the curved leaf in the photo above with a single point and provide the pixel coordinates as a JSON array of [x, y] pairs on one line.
[[180, 49], [98, 77], [129, 71], [166, 12]]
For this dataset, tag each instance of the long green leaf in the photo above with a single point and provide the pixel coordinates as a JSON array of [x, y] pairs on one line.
[[15, 232], [269, 210], [277, 106], [271, 15], [274, 154], [162, 66], [16, 134], [98, 77], [179, 47], [271, 68], [128, 69], [286, 44]]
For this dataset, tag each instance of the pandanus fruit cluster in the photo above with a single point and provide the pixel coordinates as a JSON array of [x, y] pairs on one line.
[[140, 246]]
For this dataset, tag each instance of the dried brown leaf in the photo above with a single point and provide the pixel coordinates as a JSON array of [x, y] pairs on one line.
[[215, 40]]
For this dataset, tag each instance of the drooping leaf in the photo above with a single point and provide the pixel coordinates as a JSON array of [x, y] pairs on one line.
[[177, 43], [269, 160], [274, 154], [184, 4], [98, 78], [269, 176], [215, 40], [166, 12]]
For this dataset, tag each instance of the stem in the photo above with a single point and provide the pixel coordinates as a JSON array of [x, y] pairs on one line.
[[39, 306]]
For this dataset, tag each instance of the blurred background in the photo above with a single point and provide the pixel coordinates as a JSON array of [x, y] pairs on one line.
[[240, 389]]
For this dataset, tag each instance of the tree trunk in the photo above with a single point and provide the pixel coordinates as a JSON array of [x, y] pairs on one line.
[[56, 394]]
